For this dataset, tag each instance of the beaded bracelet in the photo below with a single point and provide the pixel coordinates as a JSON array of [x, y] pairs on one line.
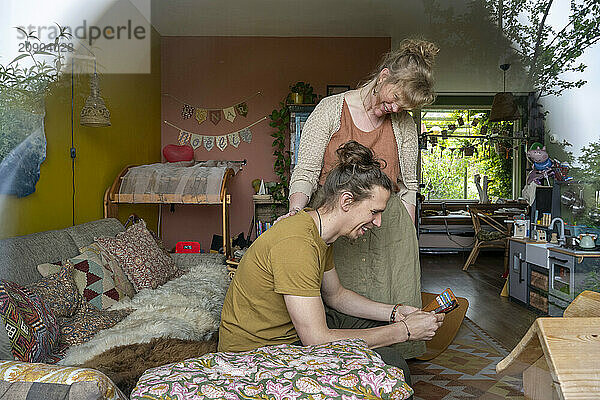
[[407, 331], [393, 314]]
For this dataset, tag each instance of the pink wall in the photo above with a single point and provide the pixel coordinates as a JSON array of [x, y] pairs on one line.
[[216, 72]]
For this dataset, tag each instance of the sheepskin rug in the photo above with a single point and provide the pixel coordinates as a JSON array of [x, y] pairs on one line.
[[187, 308]]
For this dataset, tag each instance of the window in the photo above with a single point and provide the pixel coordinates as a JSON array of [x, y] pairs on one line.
[[458, 143]]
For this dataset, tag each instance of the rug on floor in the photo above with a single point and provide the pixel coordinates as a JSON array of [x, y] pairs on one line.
[[465, 370]]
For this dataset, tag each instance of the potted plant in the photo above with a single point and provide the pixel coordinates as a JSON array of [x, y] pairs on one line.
[[302, 93]]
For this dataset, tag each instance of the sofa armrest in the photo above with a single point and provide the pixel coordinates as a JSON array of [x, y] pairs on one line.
[[36, 381], [186, 261]]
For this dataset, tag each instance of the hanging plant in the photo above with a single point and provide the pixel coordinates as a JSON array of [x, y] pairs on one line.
[[280, 119]]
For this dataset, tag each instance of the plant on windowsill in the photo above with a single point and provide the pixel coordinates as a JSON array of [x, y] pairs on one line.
[[280, 120]]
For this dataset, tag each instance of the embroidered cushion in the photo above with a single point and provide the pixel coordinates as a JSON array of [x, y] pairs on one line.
[[142, 260], [344, 370], [93, 280], [58, 291], [31, 328], [88, 321]]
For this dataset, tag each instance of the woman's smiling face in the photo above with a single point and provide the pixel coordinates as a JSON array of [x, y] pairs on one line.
[[387, 100]]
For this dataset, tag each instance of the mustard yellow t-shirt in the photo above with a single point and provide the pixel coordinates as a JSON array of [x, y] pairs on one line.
[[289, 258]]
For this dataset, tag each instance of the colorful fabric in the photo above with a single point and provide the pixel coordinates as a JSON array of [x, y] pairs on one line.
[[122, 284], [288, 259], [142, 260], [343, 370], [90, 383], [57, 290], [87, 322], [31, 328]]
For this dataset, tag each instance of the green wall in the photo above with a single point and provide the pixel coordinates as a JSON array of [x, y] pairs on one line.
[[134, 138]]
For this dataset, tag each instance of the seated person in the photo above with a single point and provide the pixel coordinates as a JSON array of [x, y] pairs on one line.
[[286, 289]]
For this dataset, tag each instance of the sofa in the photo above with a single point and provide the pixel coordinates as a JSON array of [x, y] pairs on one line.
[[20, 258]]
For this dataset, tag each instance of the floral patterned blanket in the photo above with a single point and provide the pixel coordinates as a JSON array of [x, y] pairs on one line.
[[345, 370]]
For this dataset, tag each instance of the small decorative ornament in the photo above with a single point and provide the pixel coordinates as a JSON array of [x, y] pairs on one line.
[[234, 139], [201, 115], [460, 121], [229, 113], [196, 141], [483, 130], [187, 111], [222, 142], [215, 116], [209, 142], [242, 109], [174, 153], [184, 137], [475, 122], [452, 127], [246, 135]]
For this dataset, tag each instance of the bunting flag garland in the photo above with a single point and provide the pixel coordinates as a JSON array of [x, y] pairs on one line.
[[210, 141], [246, 135], [187, 111], [201, 115], [214, 114], [242, 109], [229, 113], [234, 139], [195, 141]]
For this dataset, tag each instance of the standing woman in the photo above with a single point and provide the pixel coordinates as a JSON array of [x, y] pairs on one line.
[[382, 265]]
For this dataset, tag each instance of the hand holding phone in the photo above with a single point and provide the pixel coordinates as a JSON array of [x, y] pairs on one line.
[[443, 303]]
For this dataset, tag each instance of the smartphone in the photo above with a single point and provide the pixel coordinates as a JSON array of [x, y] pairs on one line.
[[443, 303]]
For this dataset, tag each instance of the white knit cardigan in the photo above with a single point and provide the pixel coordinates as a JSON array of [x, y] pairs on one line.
[[320, 126]]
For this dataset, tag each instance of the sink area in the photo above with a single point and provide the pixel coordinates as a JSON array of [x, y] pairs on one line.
[[537, 253]]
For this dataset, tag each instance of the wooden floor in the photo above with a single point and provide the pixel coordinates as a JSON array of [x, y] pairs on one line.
[[505, 320]]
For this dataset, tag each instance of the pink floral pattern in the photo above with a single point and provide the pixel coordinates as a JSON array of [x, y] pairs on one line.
[[142, 260], [342, 370]]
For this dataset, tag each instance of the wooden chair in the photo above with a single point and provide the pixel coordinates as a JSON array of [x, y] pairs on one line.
[[497, 237]]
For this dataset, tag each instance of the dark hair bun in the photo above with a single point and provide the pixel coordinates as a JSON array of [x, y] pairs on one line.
[[355, 155]]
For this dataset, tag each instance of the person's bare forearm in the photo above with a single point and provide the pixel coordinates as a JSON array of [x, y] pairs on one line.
[[375, 337], [298, 201]]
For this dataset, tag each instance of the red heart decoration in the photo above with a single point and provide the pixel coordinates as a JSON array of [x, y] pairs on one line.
[[174, 152]]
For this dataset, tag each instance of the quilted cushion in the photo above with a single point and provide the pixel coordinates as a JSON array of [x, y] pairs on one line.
[[342, 370], [487, 236], [88, 321], [142, 260], [30, 326], [58, 291], [122, 284]]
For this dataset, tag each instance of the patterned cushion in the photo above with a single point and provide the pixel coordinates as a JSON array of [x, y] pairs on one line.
[[87, 322], [93, 281], [487, 236], [142, 260], [344, 370], [42, 381], [122, 284], [58, 291], [30, 326]]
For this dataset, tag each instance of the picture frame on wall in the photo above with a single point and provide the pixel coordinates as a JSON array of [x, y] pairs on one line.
[[335, 89]]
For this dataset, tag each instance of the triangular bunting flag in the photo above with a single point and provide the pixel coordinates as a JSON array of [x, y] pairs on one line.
[[234, 139], [222, 142], [195, 141], [215, 116], [201, 115], [246, 135], [209, 142], [184, 137], [242, 109], [187, 111], [229, 114]]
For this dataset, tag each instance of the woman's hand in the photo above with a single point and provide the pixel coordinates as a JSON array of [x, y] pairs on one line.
[[423, 325], [293, 211]]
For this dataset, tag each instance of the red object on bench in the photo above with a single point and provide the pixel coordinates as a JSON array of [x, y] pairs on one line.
[[187, 247]]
